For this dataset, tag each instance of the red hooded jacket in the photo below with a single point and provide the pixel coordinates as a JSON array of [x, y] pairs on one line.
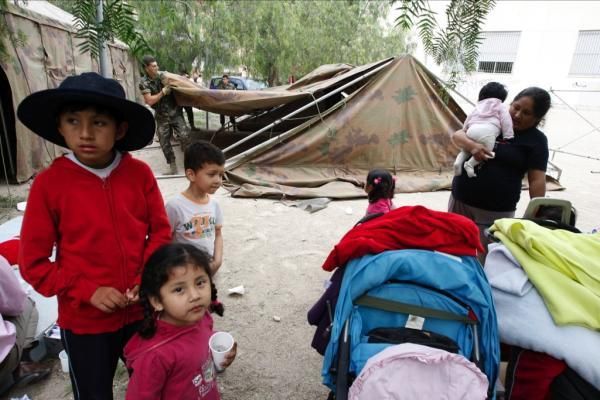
[[104, 231]]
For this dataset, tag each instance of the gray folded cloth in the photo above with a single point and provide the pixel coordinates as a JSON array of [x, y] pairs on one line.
[[310, 205]]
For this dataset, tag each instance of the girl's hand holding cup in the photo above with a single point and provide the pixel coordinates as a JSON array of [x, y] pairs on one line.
[[230, 356], [223, 349]]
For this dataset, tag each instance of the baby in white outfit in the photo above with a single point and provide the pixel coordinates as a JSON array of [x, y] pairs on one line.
[[489, 119]]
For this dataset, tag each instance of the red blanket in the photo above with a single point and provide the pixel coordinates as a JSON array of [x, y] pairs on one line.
[[411, 227], [9, 249]]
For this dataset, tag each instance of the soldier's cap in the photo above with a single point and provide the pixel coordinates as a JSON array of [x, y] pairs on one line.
[[39, 110]]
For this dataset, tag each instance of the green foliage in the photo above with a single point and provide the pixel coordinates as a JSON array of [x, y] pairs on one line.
[[87, 28], [273, 39], [183, 31], [118, 22], [455, 46]]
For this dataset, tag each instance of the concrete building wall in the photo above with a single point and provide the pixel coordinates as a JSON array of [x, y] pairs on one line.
[[549, 32]]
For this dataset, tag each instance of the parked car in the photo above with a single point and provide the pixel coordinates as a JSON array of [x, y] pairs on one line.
[[239, 82]]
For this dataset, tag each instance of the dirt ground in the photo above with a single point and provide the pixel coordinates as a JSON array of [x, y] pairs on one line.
[[276, 251]]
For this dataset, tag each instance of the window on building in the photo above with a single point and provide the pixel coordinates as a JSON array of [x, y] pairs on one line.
[[586, 59], [498, 52]]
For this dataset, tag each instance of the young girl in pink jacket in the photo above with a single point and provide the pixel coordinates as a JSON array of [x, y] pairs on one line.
[[380, 188], [170, 358]]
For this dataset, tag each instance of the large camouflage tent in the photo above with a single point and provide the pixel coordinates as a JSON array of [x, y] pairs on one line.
[[399, 117], [392, 114], [42, 51]]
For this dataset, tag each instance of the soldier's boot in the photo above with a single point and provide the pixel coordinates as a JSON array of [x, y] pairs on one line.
[[184, 143], [172, 169]]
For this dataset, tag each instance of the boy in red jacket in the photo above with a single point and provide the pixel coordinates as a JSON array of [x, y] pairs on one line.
[[103, 210]]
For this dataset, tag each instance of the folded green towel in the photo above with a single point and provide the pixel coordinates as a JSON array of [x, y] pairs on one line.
[[563, 266]]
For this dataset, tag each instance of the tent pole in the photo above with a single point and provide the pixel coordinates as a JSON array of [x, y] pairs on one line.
[[372, 72], [590, 123], [5, 130], [448, 86], [104, 63], [238, 159], [5, 134]]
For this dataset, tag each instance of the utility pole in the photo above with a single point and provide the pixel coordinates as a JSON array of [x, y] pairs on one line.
[[104, 62], [209, 77]]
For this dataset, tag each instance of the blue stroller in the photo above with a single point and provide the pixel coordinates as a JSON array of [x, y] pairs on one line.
[[415, 296]]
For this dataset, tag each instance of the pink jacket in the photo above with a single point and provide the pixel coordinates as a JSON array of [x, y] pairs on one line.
[[491, 111], [380, 206], [412, 371], [173, 364], [12, 303]]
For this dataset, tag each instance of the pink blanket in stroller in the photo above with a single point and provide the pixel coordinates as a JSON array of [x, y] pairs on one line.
[[411, 371]]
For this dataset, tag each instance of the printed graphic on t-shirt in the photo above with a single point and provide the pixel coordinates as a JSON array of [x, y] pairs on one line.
[[199, 227], [205, 381]]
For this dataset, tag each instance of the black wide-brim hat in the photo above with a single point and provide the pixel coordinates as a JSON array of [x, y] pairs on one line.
[[39, 110]]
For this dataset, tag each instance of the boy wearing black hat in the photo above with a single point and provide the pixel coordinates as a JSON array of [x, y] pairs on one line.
[[103, 210]]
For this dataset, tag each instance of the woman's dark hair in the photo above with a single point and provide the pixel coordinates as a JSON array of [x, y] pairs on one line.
[[382, 185], [156, 274], [493, 90], [541, 100]]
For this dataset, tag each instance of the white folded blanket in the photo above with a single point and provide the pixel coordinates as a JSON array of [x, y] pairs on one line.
[[524, 320]]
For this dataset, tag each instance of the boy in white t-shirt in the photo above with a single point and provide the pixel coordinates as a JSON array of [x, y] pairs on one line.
[[194, 215]]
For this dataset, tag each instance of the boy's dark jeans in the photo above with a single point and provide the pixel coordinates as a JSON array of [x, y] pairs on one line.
[[93, 360]]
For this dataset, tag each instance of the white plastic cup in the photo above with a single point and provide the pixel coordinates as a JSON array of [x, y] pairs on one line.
[[220, 344], [64, 361]]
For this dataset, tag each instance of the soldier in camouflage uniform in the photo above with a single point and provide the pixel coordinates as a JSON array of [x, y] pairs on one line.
[[168, 115], [225, 84]]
